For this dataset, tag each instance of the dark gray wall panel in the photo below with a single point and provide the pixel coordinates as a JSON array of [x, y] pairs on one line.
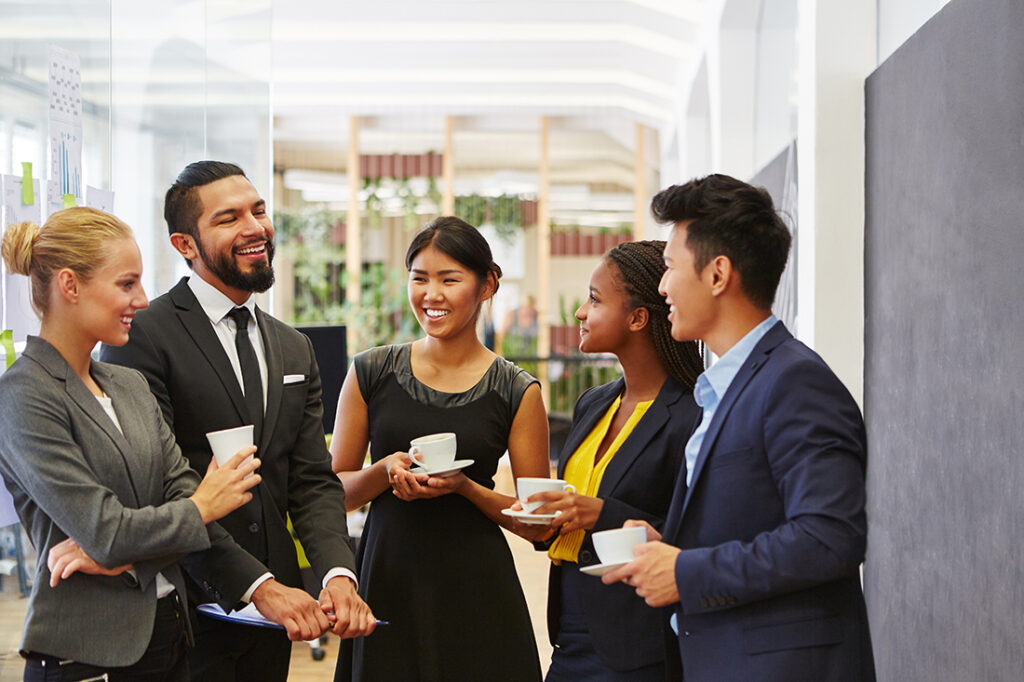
[[779, 177], [944, 367]]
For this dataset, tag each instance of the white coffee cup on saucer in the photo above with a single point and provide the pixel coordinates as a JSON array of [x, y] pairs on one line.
[[436, 451], [527, 486], [615, 546], [227, 442]]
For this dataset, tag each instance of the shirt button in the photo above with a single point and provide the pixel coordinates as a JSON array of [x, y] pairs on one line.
[[585, 556], [254, 528]]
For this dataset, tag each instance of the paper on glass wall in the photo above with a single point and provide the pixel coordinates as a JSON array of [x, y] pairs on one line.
[[99, 198], [65, 118]]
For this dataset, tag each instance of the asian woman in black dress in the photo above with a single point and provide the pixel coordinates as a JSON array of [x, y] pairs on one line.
[[433, 560]]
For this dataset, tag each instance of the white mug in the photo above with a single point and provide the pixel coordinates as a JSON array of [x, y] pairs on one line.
[[436, 451], [531, 486], [615, 546]]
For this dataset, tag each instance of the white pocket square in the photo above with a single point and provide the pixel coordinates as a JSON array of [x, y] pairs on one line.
[[293, 378]]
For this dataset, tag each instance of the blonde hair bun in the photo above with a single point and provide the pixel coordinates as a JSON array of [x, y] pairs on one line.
[[73, 238], [19, 238]]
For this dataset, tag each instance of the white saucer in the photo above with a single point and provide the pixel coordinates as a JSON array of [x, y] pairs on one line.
[[445, 472], [527, 517], [601, 569]]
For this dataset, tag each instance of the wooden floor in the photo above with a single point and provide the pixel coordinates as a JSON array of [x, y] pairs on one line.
[[532, 567]]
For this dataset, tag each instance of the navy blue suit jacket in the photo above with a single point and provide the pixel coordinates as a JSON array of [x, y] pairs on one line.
[[637, 484], [772, 528]]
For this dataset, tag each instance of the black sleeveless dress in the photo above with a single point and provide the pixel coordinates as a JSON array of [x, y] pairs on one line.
[[439, 570]]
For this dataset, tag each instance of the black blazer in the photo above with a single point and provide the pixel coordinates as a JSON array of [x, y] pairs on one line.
[[638, 484], [174, 345]]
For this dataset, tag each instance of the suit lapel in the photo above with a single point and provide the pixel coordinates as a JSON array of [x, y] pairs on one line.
[[675, 510], [597, 405], [750, 368], [651, 423], [275, 376], [197, 324], [132, 434], [53, 362]]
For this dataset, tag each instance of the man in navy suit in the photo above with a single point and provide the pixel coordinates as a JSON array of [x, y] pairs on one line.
[[759, 559]]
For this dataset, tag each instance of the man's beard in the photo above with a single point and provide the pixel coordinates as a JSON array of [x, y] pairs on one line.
[[257, 280]]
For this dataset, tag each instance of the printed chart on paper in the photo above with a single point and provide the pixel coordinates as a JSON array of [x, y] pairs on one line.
[[65, 125]]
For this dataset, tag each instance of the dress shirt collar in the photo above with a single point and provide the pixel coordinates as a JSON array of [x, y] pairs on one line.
[[715, 381], [213, 301]]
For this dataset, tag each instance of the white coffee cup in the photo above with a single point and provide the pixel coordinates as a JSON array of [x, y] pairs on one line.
[[436, 451], [531, 486], [227, 442], [615, 546]]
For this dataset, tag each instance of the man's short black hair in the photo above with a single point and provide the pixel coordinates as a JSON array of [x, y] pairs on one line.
[[730, 218], [181, 203]]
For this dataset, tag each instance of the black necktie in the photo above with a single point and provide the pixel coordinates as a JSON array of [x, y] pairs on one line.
[[252, 384]]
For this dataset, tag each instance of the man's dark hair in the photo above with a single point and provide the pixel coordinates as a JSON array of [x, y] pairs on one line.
[[181, 203], [727, 217]]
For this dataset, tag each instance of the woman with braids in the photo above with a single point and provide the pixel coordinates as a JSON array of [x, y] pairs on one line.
[[622, 455]]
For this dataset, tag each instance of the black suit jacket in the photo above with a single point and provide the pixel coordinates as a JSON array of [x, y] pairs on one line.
[[638, 484], [772, 528], [174, 345]]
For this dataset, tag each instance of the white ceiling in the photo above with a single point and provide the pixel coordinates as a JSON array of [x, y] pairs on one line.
[[478, 58], [595, 67]]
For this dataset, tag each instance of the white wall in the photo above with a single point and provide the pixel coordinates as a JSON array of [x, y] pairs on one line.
[[899, 19], [777, 69]]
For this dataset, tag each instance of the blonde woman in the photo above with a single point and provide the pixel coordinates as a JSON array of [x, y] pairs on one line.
[[98, 482]]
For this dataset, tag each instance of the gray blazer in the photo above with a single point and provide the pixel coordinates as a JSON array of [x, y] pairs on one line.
[[122, 498]]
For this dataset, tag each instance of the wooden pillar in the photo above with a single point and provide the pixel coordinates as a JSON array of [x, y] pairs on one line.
[[448, 168], [544, 257], [353, 230], [640, 185]]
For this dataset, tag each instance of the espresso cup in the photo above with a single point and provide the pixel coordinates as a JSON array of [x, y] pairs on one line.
[[615, 546], [436, 451], [227, 442], [531, 486]]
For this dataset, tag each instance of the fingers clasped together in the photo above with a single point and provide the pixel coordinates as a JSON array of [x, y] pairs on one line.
[[409, 485]]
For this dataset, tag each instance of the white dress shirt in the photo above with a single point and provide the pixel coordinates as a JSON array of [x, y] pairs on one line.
[[217, 306]]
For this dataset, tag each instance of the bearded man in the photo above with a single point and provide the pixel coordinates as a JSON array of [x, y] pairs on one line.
[[215, 361]]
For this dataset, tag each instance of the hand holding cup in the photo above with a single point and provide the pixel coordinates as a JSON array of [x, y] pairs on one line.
[[226, 486], [527, 488], [435, 452]]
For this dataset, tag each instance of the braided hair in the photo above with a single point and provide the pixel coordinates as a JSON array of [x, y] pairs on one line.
[[640, 266]]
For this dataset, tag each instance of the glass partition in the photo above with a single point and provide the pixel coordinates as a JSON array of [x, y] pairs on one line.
[[162, 84]]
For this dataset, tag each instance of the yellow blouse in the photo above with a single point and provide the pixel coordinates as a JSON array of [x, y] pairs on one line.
[[581, 472]]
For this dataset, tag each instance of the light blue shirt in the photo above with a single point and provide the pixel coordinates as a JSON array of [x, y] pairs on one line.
[[715, 381], [708, 392]]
